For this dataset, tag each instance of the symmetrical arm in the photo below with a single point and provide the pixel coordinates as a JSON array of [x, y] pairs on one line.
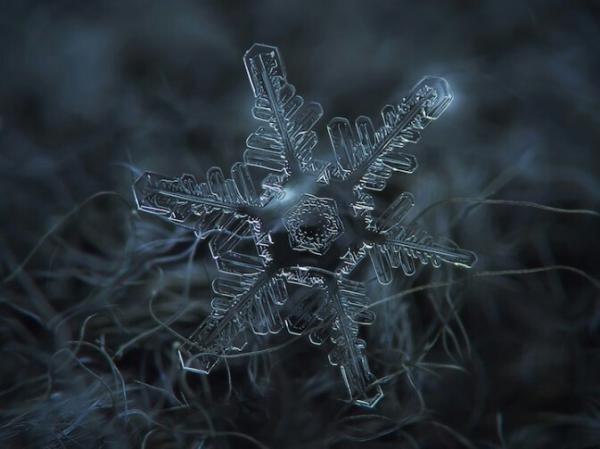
[[403, 245], [200, 206], [285, 141], [334, 315], [368, 157]]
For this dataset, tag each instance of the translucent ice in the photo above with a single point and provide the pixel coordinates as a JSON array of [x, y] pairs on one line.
[[251, 292]]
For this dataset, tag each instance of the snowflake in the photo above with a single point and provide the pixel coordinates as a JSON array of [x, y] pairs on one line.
[[285, 218]]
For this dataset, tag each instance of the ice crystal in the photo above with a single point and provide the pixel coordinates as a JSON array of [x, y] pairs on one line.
[[288, 203]]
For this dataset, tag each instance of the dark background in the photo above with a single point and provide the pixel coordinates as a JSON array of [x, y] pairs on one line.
[[95, 295]]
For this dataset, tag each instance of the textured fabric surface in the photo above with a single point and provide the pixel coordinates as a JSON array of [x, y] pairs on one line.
[[94, 299]]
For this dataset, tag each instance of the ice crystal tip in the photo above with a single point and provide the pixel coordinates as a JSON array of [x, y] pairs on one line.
[[284, 217]]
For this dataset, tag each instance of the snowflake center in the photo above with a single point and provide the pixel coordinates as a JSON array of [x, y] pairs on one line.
[[313, 224]]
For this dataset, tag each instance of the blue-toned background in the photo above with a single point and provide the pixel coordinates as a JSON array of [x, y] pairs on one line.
[[94, 295]]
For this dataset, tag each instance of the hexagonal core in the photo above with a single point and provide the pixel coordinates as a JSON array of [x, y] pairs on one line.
[[313, 224]]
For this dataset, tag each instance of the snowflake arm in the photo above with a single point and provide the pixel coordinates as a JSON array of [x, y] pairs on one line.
[[286, 140], [200, 206], [401, 245], [348, 301], [368, 157], [242, 303], [334, 314]]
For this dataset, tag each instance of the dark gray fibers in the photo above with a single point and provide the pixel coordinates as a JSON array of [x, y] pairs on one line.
[[95, 301]]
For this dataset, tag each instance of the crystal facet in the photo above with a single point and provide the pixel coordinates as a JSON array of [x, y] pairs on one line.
[[313, 224]]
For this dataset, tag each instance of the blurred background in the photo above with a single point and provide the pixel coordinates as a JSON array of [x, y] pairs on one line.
[[95, 297]]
